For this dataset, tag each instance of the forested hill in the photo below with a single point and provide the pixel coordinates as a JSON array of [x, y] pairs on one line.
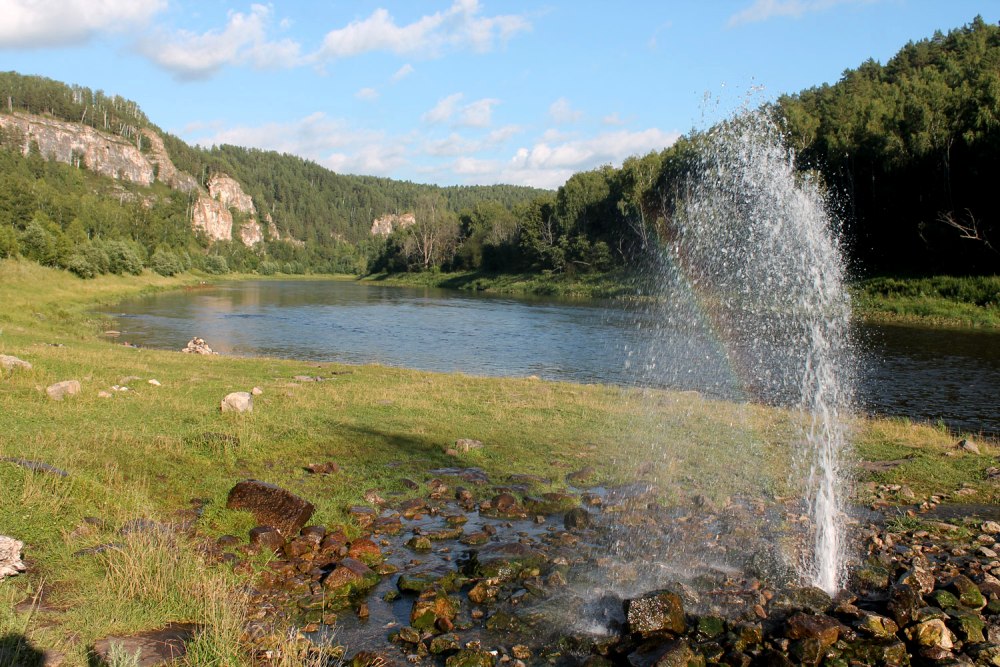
[[306, 201], [912, 148], [909, 150]]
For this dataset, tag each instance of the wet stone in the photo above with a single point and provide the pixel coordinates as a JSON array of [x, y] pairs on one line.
[[363, 516], [660, 611], [969, 594], [577, 519], [448, 643], [434, 609], [824, 629], [471, 658], [419, 543], [877, 626]]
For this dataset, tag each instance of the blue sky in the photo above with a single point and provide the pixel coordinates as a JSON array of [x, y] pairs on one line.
[[457, 91]]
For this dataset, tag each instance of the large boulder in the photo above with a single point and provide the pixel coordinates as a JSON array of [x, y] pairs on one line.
[[238, 401], [271, 505], [60, 390]]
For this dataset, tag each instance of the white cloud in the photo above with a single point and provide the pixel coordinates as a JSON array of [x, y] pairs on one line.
[[562, 112], [403, 72], [460, 26], [196, 56], [479, 113], [762, 10], [367, 94], [455, 144], [443, 110], [547, 165], [39, 24]]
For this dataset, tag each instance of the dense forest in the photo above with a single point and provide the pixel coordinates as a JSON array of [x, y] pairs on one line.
[[908, 151]]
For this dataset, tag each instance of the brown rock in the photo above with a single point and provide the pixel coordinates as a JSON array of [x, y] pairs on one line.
[[271, 505], [266, 537], [60, 390]]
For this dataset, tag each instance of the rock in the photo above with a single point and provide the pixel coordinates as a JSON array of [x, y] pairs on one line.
[[932, 634], [266, 537], [448, 643], [919, 577], [103, 394], [10, 557], [471, 657], [506, 561], [237, 401], [991, 527], [154, 382], [968, 446], [350, 576], [256, 391], [969, 594], [824, 629], [198, 346], [271, 505], [9, 363], [325, 468], [366, 551], [808, 598], [968, 624], [466, 445], [674, 654], [60, 390], [155, 647], [420, 543], [577, 519], [877, 626], [35, 466], [434, 609], [658, 611], [904, 604]]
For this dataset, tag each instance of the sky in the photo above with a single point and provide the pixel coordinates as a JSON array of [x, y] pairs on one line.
[[458, 92]]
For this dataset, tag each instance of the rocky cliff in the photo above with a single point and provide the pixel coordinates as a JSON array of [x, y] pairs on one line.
[[80, 145], [387, 223], [115, 157], [213, 215]]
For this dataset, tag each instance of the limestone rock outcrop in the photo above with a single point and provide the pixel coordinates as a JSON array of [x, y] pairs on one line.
[[10, 557], [213, 215], [388, 223], [105, 154], [166, 172]]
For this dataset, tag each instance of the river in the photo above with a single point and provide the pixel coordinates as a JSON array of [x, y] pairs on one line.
[[938, 375]]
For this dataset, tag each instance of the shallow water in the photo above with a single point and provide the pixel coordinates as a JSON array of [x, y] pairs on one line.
[[952, 376]]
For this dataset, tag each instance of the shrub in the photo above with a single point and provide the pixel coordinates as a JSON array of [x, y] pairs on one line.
[[8, 242], [122, 258], [216, 264], [37, 244], [80, 265], [165, 262]]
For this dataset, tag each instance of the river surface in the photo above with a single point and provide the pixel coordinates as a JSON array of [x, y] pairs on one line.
[[937, 375]]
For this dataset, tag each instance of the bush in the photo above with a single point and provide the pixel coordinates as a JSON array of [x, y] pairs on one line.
[[268, 268], [37, 244], [80, 265], [122, 258], [8, 242], [216, 264], [165, 262]]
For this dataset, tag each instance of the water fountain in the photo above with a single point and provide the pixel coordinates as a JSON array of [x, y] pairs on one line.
[[753, 269]]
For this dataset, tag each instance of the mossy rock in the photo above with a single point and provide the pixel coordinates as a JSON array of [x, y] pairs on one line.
[[471, 658]]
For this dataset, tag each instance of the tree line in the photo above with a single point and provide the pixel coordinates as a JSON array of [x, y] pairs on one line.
[[908, 152]]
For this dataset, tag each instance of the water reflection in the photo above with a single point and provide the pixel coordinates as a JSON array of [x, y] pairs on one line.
[[932, 374]]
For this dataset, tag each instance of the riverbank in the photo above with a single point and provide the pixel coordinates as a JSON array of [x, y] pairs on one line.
[[944, 301], [127, 539]]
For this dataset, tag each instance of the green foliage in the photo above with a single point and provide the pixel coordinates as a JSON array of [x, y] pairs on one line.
[[165, 262], [37, 243], [123, 257], [217, 265], [8, 242]]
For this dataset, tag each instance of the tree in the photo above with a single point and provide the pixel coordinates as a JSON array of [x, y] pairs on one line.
[[433, 237]]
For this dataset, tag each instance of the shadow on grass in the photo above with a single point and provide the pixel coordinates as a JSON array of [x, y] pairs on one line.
[[17, 651], [408, 448]]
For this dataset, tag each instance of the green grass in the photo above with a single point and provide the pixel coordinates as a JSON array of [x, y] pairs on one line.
[[940, 300], [148, 452], [609, 285]]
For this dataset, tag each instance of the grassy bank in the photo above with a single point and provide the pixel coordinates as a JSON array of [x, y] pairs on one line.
[[147, 453], [939, 300], [592, 286]]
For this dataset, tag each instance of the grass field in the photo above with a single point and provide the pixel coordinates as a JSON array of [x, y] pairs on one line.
[[148, 452]]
